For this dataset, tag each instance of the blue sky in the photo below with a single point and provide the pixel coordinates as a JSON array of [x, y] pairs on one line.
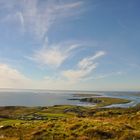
[[73, 44]]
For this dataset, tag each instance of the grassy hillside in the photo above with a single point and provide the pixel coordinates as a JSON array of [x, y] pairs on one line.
[[69, 123]]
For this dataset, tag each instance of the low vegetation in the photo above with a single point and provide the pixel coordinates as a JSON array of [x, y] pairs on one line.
[[69, 123]]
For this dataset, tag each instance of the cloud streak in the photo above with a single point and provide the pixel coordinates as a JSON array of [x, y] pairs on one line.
[[86, 62], [37, 17], [12, 78], [54, 55], [84, 68]]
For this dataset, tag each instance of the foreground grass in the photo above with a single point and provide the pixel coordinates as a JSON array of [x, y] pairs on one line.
[[69, 123]]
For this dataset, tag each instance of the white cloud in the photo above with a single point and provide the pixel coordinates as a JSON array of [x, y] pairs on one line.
[[39, 19], [21, 18], [69, 5], [54, 55], [89, 60], [35, 16], [51, 57], [10, 77], [75, 75], [84, 68]]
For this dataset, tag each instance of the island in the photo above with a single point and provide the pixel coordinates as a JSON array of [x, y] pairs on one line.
[[100, 101]]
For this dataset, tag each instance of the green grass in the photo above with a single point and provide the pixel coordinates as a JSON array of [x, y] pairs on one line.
[[64, 123]]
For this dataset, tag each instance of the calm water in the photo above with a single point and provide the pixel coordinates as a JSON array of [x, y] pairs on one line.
[[49, 98]]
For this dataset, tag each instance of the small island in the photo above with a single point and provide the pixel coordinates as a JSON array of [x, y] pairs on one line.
[[105, 101], [100, 101]]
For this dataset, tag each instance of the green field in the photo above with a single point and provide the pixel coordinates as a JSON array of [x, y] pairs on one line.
[[67, 122]]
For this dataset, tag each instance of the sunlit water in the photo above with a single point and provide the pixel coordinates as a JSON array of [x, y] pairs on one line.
[[50, 98]]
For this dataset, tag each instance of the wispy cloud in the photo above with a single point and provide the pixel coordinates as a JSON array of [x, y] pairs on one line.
[[40, 18], [68, 5], [35, 16], [11, 77], [75, 75], [54, 55], [84, 68], [89, 60]]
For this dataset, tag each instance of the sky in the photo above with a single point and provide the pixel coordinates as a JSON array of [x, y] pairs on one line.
[[70, 44]]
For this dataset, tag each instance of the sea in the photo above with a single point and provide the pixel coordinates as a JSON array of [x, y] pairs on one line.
[[34, 98]]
